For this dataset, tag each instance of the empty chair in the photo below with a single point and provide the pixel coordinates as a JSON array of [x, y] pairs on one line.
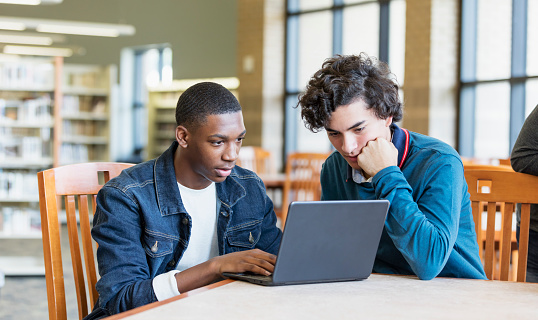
[[79, 184], [256, 159], [503, 190], [302, 179]]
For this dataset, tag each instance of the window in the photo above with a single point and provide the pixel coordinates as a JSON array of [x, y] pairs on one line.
[[152, 66], [499, 74], [317, 30]]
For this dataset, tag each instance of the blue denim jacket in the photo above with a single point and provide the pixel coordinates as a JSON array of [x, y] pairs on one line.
[[142, 228]]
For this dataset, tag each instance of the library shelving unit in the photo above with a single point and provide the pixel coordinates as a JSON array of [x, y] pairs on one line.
[[85, 113], [47, 110], [162, 100]]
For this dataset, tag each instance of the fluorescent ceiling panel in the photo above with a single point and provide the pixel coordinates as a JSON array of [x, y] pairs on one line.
[[72, 27], [32, 38], [35, 40], [31, 2], [80, 30], [38, 51], [11, 25]]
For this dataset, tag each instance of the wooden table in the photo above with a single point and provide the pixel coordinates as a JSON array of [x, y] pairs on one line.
[[378, 297], [273, 180], [274, 183]]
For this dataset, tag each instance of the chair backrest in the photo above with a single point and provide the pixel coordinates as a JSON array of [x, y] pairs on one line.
[[77, 183], [500, 167], [302, 179], [504, 190], [505, 162], [256, 159]]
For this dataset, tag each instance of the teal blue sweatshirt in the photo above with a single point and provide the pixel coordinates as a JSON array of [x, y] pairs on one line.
[[429, 230]]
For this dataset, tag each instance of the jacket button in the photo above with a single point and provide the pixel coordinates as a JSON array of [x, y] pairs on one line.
[[185, 221], [155, 247], [172, 263], [224, 213]]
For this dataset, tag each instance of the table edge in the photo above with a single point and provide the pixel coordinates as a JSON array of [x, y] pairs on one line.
[[160, 303]]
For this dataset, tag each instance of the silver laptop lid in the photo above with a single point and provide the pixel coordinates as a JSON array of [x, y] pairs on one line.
[[330, 240]]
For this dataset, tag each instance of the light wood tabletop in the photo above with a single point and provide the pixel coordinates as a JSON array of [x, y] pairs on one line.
[[379, 297]]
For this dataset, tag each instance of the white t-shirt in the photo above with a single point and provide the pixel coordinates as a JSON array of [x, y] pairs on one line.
[[203, 245]]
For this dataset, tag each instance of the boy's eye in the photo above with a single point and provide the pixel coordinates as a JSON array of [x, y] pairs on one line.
[[359, 129], [333, 134]]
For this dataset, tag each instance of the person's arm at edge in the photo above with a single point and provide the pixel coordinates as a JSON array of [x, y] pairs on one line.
[[524, 157]]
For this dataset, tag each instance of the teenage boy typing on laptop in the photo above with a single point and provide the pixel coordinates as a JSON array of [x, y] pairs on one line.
[[429, 230], [179, 221]]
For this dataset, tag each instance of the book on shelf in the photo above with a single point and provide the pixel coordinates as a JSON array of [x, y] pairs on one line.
[[26, 109], [25, 143], [18, 184], [27, 75], [19, 221]]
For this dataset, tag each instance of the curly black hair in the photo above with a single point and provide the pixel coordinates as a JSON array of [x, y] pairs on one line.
[[201, 100], [342, 80]]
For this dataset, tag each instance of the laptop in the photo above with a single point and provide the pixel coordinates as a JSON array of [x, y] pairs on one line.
[[326, 241]]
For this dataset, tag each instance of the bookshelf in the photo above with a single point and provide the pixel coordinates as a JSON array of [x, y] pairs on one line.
[[26, 141], [51, 114], [162, 100], [85, 113]]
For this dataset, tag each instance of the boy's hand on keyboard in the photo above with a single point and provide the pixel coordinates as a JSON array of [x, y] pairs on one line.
[[255, 261]]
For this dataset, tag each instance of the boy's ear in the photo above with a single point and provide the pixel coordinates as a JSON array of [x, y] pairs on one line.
[[388, 121], [182, 135]]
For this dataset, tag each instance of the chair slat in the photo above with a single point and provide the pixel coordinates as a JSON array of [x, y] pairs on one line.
[[490, 240], [523, 242], [505, 248], [76, 258], [91, 276], [475, 205], [51, 245]]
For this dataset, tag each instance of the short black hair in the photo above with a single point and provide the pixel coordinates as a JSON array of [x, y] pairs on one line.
[[201, 100], [343, 79]]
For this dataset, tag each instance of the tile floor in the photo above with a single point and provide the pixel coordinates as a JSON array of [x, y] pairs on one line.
[[25, 298]]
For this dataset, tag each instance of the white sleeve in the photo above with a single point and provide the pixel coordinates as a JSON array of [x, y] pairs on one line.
[[165, 285]]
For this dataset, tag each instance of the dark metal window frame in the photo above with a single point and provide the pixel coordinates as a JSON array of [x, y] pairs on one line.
[[139, 104], [468, 81], [292, 54]]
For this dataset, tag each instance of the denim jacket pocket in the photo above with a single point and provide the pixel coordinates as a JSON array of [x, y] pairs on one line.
[[245, 235], [156, 245]]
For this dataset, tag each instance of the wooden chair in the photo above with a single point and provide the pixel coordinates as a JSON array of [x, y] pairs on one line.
[[481, 235], [505, 162], [302, 179], [506, 188], [77, 183], [256, 159]]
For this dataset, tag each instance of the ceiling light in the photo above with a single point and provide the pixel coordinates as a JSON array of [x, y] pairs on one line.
[[81, 30], [72, 27], [32, 38], [12, 25], [36, 40], [38, 51], [31, 2], [25, 2]]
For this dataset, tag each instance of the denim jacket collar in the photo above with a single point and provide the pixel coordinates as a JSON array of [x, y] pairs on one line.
[[169, 199], [400, 139]]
